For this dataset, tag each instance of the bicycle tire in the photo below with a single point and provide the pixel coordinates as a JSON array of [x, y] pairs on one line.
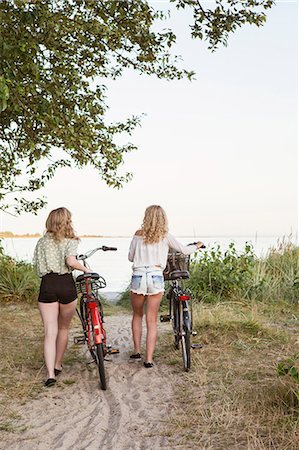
[[186, 349], [101, 366], [176, 323], [97, 353]]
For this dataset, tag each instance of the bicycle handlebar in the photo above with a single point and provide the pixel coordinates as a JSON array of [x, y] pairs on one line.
[[194, 243], [91, 252]]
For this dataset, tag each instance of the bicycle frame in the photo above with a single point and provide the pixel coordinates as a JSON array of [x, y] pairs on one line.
[[182, 296], [91, 315], [180, 313], [94, 319], [181, 317]]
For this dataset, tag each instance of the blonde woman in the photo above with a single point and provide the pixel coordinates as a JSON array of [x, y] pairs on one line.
[[148, 253], [55, 258]]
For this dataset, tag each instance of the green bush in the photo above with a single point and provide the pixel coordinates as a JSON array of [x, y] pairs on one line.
[[216, 275], [18, 280]]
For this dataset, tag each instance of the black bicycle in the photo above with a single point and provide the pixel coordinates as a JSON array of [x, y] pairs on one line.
[[91, 315], [180, 304]]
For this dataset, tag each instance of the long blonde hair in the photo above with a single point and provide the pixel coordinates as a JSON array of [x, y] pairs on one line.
[[155, 224], [59, 224]]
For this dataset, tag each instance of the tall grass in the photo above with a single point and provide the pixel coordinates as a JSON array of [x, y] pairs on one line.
[[218, 275], [277, 276]]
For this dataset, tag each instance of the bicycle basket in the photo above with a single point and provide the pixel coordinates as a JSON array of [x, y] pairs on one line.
[[94, 285], [176, 261]]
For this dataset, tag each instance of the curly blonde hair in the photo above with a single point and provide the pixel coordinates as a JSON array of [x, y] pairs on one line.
[[59, 224], [155, 224]]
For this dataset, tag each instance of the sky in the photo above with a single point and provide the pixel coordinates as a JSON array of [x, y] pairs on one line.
[[219, 153]]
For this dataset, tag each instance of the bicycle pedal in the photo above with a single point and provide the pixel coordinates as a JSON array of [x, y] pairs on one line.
[[112, 351], [165, 318], [196, 346], [79, 340], [194, 333]]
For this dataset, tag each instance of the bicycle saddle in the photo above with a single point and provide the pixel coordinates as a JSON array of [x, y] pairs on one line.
[[93, 276], [179, 274]]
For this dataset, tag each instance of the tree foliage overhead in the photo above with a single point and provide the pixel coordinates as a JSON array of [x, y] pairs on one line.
[[215, 23], [53, 54]]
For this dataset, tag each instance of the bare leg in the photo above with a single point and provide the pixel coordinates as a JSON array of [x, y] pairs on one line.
[[152, 309], [49, 313], [66, 313], [137, 301]]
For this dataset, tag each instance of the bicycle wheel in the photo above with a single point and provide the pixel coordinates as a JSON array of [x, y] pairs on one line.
[[101, 367], [97, 353], [176, 322], [186, 349]]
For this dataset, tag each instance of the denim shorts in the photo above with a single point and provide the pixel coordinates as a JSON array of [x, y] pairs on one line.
[[147, 280]]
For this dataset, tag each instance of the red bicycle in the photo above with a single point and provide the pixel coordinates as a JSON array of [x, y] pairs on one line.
[[91, 315]]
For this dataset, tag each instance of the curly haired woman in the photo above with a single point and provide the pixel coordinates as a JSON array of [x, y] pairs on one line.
[[148, 252], [54, 259]]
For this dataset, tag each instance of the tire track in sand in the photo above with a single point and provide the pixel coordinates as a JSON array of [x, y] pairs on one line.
[[130, 415]]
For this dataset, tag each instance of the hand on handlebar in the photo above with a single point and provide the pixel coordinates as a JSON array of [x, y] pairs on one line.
[[198, 244]]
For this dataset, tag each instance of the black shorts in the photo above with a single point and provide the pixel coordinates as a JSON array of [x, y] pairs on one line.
[[57, 288]]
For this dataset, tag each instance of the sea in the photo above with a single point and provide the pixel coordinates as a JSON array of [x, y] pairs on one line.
[[115, 267]]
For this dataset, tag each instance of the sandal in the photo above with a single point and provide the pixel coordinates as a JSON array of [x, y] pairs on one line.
[[148, 365], [57, 371], [50, 382], [135, 356]]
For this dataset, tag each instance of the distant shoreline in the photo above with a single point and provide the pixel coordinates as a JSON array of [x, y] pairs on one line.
[[38, 235], [11, 235]]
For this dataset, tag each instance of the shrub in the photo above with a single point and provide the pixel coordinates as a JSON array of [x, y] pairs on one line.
[[216, 275], [18, 280]]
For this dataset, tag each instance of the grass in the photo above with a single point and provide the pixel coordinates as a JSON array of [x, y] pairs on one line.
[[21, 360], [233, 398]]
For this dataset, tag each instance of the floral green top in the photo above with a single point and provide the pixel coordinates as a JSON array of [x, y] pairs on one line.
[[50, 255]]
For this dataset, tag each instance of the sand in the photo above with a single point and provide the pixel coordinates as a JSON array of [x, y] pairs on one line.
[[131, 414]]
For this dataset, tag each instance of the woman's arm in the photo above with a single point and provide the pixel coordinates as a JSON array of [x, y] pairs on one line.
[[75, 264], [185, 249]]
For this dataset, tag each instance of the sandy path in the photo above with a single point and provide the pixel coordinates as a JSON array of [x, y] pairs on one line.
[[129, 415]]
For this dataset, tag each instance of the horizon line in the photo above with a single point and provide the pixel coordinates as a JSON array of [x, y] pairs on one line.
[[89, 236]]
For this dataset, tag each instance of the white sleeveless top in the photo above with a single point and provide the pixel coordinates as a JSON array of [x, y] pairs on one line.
[[142, 254]]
